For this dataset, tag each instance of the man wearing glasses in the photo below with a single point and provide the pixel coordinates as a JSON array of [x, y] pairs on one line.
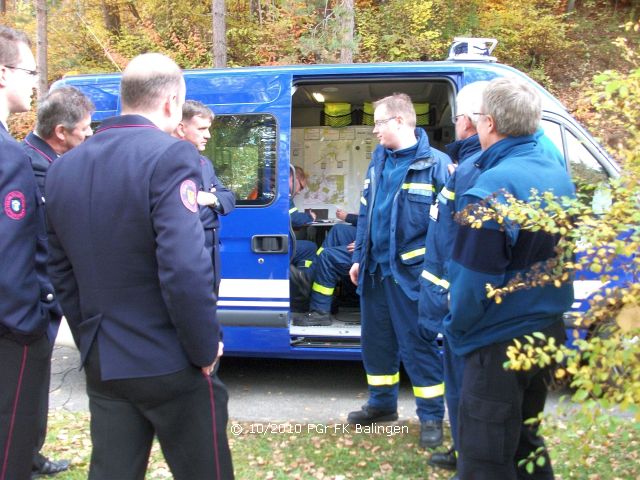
[[402, 181], [494, 402], [26, 296]]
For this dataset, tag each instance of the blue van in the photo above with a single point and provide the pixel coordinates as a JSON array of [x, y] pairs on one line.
[[319, 117]]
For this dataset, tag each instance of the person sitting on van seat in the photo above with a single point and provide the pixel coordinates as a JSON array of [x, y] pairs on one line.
[[400, 186], [194, 128], [305, 250], [332, 262], [496, 402]]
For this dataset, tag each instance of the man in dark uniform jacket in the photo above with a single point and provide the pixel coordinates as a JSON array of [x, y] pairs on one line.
[[128, 261], [63, 122], [218, 199], [25, 295]]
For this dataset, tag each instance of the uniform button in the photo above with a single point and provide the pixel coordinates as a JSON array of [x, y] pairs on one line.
[[49, 297]]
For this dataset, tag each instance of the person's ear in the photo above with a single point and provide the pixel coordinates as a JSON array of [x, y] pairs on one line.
[[180, 130], [59, 133]]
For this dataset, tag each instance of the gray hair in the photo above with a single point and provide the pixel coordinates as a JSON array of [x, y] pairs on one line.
[[64, 106], [515, 106], [193, 108], [469, 100], [9, 41], [399, 104], [147, 80]]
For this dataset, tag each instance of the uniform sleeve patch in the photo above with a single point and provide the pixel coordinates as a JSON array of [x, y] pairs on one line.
[[189, 195], [14, 205]]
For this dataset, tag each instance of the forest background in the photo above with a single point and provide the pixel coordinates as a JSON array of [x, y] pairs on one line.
[[559, 43]]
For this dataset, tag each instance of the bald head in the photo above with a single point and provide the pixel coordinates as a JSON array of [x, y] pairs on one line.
[[148, 80]]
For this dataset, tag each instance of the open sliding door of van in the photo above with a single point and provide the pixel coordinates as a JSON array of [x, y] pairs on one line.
[[249, 147]]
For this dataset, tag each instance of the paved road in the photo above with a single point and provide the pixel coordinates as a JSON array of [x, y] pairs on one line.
[[261, 390]]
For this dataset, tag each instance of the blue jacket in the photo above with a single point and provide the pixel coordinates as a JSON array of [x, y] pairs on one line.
[[298, 218], [26, 297], [41, 156], [409, 213], [226, 198], [491, 255], [127, 250], [434, 284]]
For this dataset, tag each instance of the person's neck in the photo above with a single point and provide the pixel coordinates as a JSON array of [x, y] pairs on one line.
[[407, 140], [4, 113], [156, 118]]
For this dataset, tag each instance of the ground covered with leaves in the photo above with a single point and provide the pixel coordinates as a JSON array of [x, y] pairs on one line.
[[594, 448]]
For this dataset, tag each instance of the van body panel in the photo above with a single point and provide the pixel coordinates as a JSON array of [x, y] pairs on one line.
[[254, 302]]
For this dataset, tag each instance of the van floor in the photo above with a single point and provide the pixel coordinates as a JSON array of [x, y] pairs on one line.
[[346, 324]]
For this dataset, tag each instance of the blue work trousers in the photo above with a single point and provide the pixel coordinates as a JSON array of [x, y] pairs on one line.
[[340, 234], [330, 266], [305, 254], [391, 333]]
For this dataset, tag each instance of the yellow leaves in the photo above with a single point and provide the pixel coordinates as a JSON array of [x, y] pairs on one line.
[[629, 318]]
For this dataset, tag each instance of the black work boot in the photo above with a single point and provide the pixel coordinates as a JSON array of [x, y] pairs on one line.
[[369, 415], [446, 460], [431, 433], [313, 319]]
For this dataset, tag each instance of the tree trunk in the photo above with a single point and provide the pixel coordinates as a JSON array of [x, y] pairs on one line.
[[571, 6], [111, 16], [41, 47], [219, 47], [3, 6], [347, 25]]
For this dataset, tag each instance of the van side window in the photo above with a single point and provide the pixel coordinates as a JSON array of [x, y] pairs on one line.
[[588, 175], [244, 152]]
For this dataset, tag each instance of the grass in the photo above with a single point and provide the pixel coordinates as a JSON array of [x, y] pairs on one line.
[[602, 447]]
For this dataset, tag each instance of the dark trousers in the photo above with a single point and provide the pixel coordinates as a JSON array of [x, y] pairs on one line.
[[187, 410], [453, 371], [43, 416], [494, 404], [22, 375], [390, 333]]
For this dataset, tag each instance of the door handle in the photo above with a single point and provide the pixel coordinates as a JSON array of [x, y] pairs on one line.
[[270, 244]]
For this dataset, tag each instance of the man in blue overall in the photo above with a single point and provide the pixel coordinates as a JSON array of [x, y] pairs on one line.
[[218, 199], [63, 122], [332, 262], [494, 402], [27, 302], [400, 187], [135, 280]]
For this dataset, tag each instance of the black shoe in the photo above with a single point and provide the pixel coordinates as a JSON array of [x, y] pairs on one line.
[[301, 280], [431, 433], [446, 460], [49, 467], [370, 415], [313, 319]]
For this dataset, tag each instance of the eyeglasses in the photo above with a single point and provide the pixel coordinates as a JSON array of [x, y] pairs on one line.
[[480, 113], [33, 73], [379, 123], [458, 116]]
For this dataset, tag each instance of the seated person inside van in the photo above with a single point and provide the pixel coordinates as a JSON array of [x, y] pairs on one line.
[[305, 251], [332, 263]]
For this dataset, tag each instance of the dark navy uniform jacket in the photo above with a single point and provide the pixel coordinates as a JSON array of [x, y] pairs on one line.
[[41, 156], [25, 295], [127, 250], [209, 215]]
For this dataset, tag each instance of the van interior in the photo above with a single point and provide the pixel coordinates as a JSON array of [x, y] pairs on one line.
[[332, 141]]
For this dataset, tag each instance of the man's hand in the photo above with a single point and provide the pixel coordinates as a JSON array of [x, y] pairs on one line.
[[207, 370], [341, 214], [353, 273], [351, 247]]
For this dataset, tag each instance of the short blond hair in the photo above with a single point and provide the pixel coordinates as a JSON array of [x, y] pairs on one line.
[[398, 104]]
